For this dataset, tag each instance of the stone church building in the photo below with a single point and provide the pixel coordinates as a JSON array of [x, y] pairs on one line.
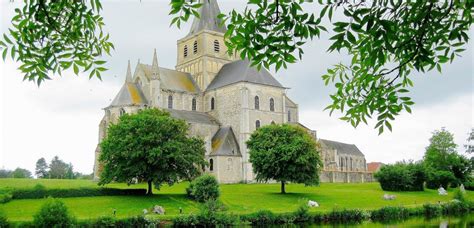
[[224, 100]]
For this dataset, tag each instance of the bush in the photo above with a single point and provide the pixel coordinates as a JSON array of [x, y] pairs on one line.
[[3, 220], [105, 221], [469, 185], [458, 195], [301, 215], [211, 214], [436, 178], [40, 191], [401, 177], [53, 213], [5, 197], [346, 216], [203, 188], [432, 210], [261, 217], [390, 214], [455, 208]]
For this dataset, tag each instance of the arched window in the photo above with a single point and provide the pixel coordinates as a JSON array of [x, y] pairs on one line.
[[351, 164], [257, 124], [193, 104], [257, 103], [213, 105], [272, 105], [122, 112], [229, 164], [170, 101], [195, 47], [211, 164], [289, 116], [185, 51], [346, 164], [216, 46]]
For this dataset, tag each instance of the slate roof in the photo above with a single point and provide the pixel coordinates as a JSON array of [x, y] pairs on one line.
[[241, 71], [342, 148], [207, 20], [172, 79], [193, 117], [129, 94], [224, 143]]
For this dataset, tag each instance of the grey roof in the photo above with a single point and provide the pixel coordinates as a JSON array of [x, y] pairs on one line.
[[172, 79], [290, 103], [193, 117], [241, 71], [129, 94], [224, 143], [207, 20], [341, 148]]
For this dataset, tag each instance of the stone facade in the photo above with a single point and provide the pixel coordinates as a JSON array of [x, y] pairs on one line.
[[223, 99]]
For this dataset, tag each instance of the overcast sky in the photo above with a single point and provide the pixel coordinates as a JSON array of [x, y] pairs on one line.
[[61, 117]]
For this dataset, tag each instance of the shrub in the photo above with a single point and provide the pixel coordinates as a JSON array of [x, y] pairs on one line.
[[5, 197], [346, 216], [401, 177], [469, 185], [3, 220], [261, 217], [204, 188], [458, 195], [137, 221], [39, 192], [437, 178], [390, 214], [432, 210], [53, 213], [455, 208], [211, 214], [301, 215], [105, 221]]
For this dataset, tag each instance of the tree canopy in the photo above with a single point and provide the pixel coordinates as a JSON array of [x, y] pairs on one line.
[[387, 40], [41, 170], [150, 146], [442, 162], [285, 153]]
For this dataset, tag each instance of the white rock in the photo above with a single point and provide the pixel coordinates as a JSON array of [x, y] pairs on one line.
[[313, 203], [158, 210], [463, 190], [442, 191], [389, 197], [145, 211]]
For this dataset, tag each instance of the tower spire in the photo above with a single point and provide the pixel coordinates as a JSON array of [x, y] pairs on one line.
[[154, 66], [207, 20], [129, 73]]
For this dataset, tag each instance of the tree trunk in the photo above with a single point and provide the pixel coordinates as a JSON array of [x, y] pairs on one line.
[[150, 189], [283, 187]]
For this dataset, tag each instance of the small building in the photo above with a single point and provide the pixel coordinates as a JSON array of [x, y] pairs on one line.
[[373, 167]]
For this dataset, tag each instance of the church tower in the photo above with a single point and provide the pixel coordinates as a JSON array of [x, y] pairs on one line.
[[202, 52]]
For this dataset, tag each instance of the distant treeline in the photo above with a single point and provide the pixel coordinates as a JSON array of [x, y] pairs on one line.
[[56, 169]]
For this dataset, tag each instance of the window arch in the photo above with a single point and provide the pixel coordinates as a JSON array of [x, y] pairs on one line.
[[216, 46], [257, 103], [213, 103], [272, 105], [351, 164], [185, 51], [257, 124], [122, 111], [289, 116], [195, 47], [193, 104], [170, 101], [211, 164]]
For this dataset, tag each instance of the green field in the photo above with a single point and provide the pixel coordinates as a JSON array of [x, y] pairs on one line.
[[239, 198]]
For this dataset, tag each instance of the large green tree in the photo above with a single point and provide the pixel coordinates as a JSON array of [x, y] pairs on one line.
[[442, 162], [58, 169], [41, 170], [285, 153], [152, 147], [387, 40]]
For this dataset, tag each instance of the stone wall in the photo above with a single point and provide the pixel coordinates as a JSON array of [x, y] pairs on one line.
[[346, 177]]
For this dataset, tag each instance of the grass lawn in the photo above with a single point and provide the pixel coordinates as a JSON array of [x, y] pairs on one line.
[[239, 198]]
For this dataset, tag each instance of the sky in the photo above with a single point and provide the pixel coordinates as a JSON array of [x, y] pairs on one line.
[[61, 117]]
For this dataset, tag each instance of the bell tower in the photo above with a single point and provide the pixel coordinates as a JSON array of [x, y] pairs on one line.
[[202, 52]]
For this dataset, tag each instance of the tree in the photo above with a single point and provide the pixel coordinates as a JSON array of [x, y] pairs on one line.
[[5, 173], [443, 165], [41, 170], [387, 41], [285, 153], [21, 173], [58, 169], [470, 142], [151, 146], [70, 172], [401, 176]]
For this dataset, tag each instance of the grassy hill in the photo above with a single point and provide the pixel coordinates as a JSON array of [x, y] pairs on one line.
[[239, 198]]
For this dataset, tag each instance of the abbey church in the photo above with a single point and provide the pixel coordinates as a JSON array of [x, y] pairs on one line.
[[224, 100]]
